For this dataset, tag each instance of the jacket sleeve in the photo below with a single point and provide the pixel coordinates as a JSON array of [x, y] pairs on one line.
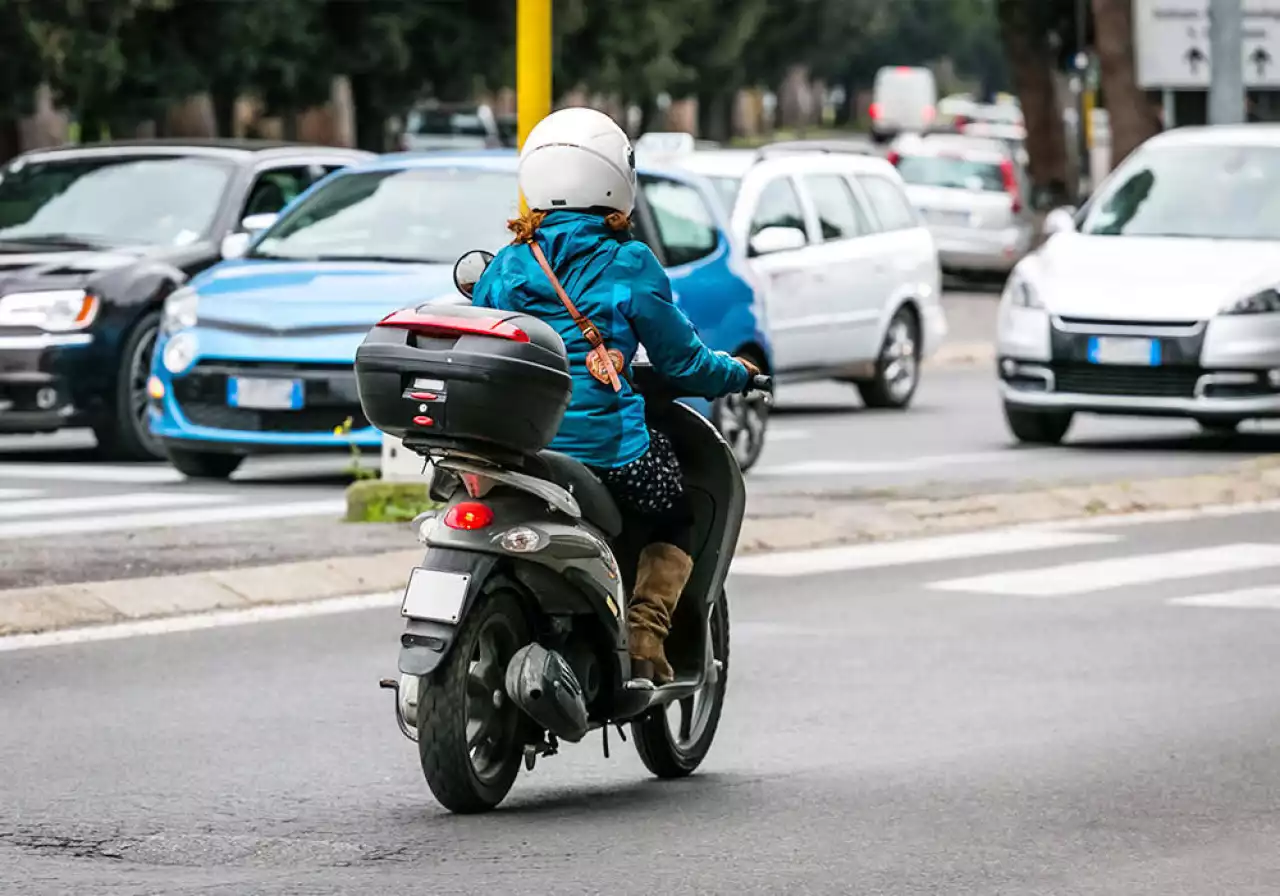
[[675, 351], [482, 293]]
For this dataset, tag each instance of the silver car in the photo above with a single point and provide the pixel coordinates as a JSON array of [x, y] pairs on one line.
[[975, 198], [1161, 297]]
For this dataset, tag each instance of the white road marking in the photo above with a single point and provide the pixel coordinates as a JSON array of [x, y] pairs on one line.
[[786, 435], [334, 507], [1267, 598], [200, 621], [923, 550], [126, 501], [1118, 572], [89, 473], [1148, 517], [872, 467], [7, 494]]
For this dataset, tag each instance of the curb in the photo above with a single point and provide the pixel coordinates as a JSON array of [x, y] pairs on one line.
[[46, 608]]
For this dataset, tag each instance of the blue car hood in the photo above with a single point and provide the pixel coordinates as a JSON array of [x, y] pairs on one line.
[[278, 297]]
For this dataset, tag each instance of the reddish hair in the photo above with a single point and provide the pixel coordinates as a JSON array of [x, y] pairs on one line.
[[528, 223]]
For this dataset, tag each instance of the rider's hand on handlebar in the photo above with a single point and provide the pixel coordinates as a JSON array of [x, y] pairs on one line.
[[752, 370]]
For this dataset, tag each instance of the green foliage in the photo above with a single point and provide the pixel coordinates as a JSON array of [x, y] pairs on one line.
[[372, 501]]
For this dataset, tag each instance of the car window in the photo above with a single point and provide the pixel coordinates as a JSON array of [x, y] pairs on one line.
[[1213, 192], [952, 172], [839, 215], [685, 225], [413, 215], [276, 188], [889, 202], [778, 206], [160, 201]]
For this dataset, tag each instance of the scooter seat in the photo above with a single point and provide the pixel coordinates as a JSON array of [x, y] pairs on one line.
[[597, 504]]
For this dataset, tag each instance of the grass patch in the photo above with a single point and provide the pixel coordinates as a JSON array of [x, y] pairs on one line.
[[375, 501]]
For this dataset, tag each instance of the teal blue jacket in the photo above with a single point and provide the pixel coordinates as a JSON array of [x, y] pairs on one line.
[[618, 284]]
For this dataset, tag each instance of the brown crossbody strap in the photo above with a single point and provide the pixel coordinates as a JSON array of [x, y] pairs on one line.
[[605, 367]]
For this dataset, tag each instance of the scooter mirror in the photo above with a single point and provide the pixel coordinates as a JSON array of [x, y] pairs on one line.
[[468, 269]]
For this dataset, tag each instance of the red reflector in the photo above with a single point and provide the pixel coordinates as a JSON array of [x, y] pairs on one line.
[[423, 396], [1011, 184], [468, 515], [893, 158], [444, 325], [423, 421], [874, 111]]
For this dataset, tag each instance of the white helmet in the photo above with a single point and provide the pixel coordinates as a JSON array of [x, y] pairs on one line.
[[578, 159]]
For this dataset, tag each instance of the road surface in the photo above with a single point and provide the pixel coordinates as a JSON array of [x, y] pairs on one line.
[[1078, 710]]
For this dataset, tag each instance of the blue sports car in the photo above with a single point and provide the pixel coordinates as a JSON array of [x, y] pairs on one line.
[[255, 354]]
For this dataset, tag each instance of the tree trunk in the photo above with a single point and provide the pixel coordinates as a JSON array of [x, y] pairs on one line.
[[715, 115], [1030, 58], [1133, 117], [223, 97], [370, 118], [10, 139], [289, 125]]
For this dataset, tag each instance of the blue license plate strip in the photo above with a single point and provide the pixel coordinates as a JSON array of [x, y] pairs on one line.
[[264, 393], [1125, 350]]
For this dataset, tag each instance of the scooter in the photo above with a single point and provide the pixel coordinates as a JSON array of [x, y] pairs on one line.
[[515, 636]]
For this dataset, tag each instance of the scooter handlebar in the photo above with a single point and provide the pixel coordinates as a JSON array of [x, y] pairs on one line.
[[759, 383]]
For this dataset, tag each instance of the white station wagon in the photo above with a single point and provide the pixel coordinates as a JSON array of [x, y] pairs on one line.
[[849, 272]]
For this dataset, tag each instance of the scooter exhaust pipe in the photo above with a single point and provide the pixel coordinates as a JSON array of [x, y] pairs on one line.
[[543, 685]]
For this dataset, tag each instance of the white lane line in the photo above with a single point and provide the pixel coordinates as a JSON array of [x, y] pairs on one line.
[[125, 501], [872, 467], [200, 621], [160, 519], [1267, 598], [8, 494], [1118, 572], [922, 550], [76, 472]]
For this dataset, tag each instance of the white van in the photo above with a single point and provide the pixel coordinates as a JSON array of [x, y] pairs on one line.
[[905, 100]]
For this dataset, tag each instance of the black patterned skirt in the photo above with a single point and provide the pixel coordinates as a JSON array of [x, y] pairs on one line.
[[651, 485]]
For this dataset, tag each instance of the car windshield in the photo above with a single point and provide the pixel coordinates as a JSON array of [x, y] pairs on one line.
[[727, 188], [951, 172], [415, 215], [1204, 192], [440, 122], [162, 201]]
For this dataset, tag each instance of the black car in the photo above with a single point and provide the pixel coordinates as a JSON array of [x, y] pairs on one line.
[[92, 240]]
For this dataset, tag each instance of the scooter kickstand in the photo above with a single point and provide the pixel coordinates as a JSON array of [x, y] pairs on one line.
[[604, 729]]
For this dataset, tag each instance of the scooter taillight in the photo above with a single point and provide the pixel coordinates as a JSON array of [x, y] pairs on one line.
[[469, 515]]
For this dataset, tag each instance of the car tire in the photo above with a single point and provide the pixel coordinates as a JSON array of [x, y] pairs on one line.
[[124, 433], [743, 421], [204, 464], [1038, 427], [897, 374]]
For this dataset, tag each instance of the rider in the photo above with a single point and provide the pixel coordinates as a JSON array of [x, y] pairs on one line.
[[606, 294]]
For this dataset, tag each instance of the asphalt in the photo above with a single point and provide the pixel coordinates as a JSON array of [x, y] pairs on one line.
[[136, 520], [894, 725]]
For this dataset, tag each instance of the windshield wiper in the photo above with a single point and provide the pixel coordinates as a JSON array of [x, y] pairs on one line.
[[67, 240], [389, 259]]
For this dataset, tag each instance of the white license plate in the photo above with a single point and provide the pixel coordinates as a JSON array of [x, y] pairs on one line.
[[1123, 350], [434, 595], [263, 393]]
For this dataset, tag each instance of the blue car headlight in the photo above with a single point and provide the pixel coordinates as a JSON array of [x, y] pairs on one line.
[[180, 352], [1265, 302]]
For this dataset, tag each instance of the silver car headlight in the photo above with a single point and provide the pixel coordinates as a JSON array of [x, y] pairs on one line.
[[180, 310], [1020, 294], [1265, 302], [51, 310]]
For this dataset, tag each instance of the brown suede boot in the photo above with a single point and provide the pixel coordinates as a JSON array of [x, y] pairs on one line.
[[664, 569]]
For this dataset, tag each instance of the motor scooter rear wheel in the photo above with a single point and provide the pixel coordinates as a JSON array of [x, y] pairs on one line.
[[470, 733], [673, 740]]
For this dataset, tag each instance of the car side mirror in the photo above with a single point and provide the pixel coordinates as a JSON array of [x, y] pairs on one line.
[[777, 239], [236, 244], [1060, 220]]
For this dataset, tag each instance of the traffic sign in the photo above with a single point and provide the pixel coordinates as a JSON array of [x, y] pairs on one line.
[[1171, 43]]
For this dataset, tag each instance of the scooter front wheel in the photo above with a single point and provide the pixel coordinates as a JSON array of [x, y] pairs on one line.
[[470, 733], [673, 740]]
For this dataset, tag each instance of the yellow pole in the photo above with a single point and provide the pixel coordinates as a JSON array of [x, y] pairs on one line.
[[533, 67]]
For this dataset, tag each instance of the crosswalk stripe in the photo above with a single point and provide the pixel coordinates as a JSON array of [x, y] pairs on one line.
[[160, 519], [127, 501], [870, 467], [1267, 598], [8, 494], [90, 473], [924, 550], [1118, 572]]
